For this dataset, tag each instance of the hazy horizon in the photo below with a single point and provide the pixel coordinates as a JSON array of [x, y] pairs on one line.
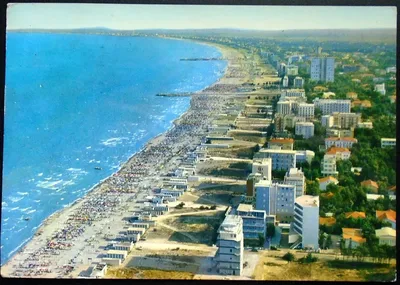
[[197, 17]]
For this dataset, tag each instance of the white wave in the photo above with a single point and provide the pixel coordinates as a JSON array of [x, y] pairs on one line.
[[48, 178], [5, 220], [25, 209], [92, 160], [15, 199], [113, 141], [77, 159], [36, 201], [88, 147], [49, 184], [59, 175], [69, 182], [22, 193], [62, 199], [4, 204], [40, 174], [14, 209], [74, 169], [31, 211], [31, 180]]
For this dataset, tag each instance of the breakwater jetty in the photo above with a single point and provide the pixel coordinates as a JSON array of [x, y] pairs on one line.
[[201, 59], [183, 94]]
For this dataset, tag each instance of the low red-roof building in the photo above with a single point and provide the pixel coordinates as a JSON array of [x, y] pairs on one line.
[[344, 142], [328, 221], [355, 215], [388, 216], [353, 237], [371, 185], [283, 143]]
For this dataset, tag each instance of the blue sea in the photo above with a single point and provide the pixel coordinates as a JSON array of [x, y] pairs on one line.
[[74, 102]]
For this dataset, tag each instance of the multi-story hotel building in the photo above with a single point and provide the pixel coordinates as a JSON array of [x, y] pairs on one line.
[[296, 177], [254, 221], [329, 106], [305, 129], [323, 69], [346, 120], [229, 255], [281, 159], [306, 220], [305, 110]]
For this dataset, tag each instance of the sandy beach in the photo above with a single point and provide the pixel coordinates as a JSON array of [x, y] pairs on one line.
[[69, 240]]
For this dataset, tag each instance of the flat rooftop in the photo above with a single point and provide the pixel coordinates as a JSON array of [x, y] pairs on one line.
[[114, 251], [308, 201], [278, 151], [245, 207], [231, 223]]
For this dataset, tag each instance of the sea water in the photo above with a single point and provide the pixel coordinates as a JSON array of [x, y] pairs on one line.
[[74, 102]]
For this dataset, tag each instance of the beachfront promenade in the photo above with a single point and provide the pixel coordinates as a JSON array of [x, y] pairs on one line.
[[74, 237]]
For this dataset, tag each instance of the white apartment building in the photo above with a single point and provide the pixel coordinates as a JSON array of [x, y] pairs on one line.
[[291, 120], [304, 155], [229, 255], [323, 69], [282, 68], [380, 88], [329, 166], [305, 110], [285, 82], [263, 167], [340, 133], [329, 106], [346, 142], [281, 159], [292, 70], [391, 69], [293, 93], [388, 142], [306, 220], [296, 177], [305, 129], [284, 107], [327, 121], [365, 125], [298, 82]]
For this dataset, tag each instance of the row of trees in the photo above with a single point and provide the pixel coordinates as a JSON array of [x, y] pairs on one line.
[[377, 252]]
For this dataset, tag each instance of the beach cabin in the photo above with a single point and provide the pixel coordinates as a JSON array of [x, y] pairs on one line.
[[99, 270], [174, 193], [119, 254], [124, 246], [140, 225], [112, 261], [135, 230], [176, 183]]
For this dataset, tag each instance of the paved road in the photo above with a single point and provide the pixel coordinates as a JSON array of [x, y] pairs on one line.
[[219, 158]]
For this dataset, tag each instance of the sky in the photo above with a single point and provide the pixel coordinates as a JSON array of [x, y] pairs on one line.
[[131, 17]]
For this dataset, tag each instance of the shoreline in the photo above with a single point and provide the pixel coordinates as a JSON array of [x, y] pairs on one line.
[[100, 185]]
